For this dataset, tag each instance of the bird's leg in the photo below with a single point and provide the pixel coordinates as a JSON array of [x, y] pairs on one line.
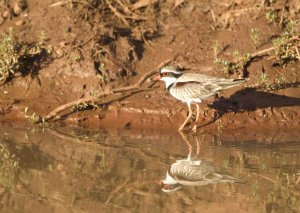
[[198, 113], [198, 146], [184, 137], [188, 117], [197, 117]]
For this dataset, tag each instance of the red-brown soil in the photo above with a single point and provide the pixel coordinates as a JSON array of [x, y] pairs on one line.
[[184, 33]]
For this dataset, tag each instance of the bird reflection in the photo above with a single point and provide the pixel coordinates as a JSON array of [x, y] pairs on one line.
[[193, 171]]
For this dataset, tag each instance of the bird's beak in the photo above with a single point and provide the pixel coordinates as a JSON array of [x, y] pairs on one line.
[[156, 78], [159, 182]]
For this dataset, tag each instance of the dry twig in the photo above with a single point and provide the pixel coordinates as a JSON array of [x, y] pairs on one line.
[[125, 9], [268, 50], [132, 88], [117, 13]]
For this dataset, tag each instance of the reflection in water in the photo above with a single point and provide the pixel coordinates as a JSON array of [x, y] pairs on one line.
[[78, 170], [9, 166], [193, 171]]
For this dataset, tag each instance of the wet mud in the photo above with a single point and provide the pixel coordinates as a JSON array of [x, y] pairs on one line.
[[94, 49]]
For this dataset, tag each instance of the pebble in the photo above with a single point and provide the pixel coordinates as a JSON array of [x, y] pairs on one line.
[[2, 189], [19, 6], [60, 53], [20, 23], [17, 9], [60, 167], [6, 14], [62, 43], [1, 20]]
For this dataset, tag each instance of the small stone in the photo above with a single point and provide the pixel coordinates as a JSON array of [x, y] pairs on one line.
[[60, 167], [59, 52], [2, 190], [17, 9], [62, 44], [1, 20], [6, 14], [20, 23], [113, 108], [19, 6]]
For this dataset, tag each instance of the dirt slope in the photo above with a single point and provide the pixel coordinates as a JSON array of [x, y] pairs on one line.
[[100, 45]]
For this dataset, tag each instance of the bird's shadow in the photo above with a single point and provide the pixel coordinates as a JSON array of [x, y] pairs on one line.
[[251, 99]]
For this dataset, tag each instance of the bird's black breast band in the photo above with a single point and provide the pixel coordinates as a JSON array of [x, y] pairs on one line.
[[169, 87]]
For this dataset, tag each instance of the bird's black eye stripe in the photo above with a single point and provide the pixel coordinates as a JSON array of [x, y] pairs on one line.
[[170, 74]]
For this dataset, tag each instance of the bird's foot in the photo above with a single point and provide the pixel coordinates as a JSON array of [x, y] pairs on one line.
[[194, 129], [181, 128]]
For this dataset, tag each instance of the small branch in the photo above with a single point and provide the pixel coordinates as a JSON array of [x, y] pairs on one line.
[[141, 4], [134, 87], [132, 15], [58, 4], [298, 54], [267, 50], [116, 12], [262, 52], [213, 15], [260, 8]]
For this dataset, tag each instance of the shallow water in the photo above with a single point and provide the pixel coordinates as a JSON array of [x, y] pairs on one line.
[[81, 170]]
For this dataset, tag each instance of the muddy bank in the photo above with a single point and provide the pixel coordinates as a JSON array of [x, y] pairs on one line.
[[95, 49]]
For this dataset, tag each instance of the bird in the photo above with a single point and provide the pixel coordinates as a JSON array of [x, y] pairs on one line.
[[192, 88], [193, 172]]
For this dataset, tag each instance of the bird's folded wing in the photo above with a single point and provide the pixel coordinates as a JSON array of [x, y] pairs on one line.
[[197, 85], [186, 77], [194, 89]]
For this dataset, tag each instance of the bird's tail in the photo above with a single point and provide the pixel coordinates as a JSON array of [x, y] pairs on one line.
[[228, 83], [230, 179], [217, 177]]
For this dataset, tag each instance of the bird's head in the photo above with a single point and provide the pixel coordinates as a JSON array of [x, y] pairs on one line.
[[168, 74], [169, 184]]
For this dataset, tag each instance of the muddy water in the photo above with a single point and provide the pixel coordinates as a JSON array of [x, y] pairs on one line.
[[81, 170]]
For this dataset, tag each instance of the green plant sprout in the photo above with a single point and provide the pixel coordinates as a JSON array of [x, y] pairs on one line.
[[9, 55], [32, 118], [285, 47], [15, 55], [272, 16], [9, 167], [216, 48], [239, 62], [254, 35], [228, 67], [84, 106], [278, 83]]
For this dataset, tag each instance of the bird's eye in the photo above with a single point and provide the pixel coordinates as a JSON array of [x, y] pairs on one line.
[[165, 74], [165, 186]]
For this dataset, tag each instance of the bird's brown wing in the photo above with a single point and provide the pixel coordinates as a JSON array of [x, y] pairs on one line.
[[191, 172], [209, 83], [190, 90], [186, 77]]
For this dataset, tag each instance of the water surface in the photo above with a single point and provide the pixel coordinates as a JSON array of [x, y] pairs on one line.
[[82, 170]]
